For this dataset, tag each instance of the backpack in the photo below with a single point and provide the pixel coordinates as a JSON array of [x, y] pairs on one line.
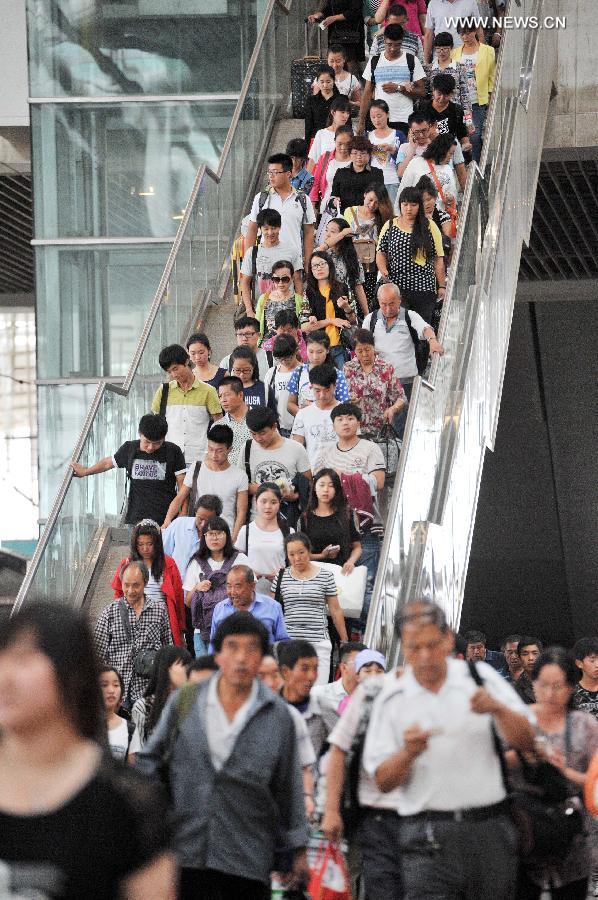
[[421, 347], [202, 607], [164, 399], [300, 198], [376, 59], [184, 703]]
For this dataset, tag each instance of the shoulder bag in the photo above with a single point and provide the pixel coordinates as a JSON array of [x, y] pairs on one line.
[[450, 209], [545, 815], [143, 661]]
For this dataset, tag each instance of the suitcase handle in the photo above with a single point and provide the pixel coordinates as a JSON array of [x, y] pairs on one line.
[[307, 41]]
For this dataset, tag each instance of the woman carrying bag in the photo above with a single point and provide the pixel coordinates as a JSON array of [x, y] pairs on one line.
[[329, 523], [308, 593], [349, 270]]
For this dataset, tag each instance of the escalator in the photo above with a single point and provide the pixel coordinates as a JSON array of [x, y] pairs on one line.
[[454, 410]]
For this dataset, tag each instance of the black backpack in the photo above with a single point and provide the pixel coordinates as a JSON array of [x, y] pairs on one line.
[[376, 59], [422, 348]]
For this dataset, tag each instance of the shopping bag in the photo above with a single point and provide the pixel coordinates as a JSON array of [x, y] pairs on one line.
[[350, 588], [329, 879]]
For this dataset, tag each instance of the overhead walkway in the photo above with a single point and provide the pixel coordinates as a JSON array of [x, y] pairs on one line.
[[454, 411]]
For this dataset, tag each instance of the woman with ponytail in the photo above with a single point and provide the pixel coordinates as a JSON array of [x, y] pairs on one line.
[[410, 254]]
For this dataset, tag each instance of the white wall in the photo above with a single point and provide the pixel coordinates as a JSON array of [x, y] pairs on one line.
[[13, 64]]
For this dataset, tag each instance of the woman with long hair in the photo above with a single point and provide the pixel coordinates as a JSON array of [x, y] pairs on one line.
[[385, 142], [328, 164], [435, 162], [410, 254], [568, 739], [339, 116], [366, 221], [205, 579], [169, 674], [317, 106], [329, 304], [165, 583], [64, 805], [330, 524], [262, 541], [123, 736], [308, 593], [347, 265]]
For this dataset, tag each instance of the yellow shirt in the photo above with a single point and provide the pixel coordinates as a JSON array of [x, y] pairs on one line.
[[331, 330]]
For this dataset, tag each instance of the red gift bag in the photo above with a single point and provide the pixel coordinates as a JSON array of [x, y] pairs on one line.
[[329, 879]]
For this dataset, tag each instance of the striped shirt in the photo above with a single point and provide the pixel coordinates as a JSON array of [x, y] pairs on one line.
[[304, 601], [149, 632]]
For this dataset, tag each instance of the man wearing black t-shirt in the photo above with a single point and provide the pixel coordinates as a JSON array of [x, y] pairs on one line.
[[155, 468], [441, 109]]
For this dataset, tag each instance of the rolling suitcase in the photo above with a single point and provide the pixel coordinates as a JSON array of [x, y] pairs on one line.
[[303, 72]]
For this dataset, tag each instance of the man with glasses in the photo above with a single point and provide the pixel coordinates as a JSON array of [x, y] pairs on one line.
[[422, 130], [395, 76], [247, 331], [295, 208], [256, 268]]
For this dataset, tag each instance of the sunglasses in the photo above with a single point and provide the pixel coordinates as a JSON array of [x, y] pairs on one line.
[[281, 279]]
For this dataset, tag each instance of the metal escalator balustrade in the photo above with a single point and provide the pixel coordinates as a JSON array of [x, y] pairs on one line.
[[195, 275], [453, 414]]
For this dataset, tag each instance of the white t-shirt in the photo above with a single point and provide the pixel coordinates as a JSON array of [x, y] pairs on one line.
[[154, 590], [400, 105], [194, 570], [225, 484], [322, 143], [333, 166], [365, 457], [265, 550], [396, 345], [442, 16], [282, 463], [456, 159], [314, 425], [118, 739], [265, 258], [281, 393], [382, 159], [291, 212], [469, 60], [445, 174]]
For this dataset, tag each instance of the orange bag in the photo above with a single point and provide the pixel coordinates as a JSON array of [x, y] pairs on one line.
[[591, 787], [329, 878]]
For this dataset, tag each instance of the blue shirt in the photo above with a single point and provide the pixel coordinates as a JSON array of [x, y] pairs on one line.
[[181, 541], [268, 611]]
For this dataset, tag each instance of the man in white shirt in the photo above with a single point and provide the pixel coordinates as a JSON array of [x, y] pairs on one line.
[[295, 208], [431, 739], [392, 337], [256, 268], [313, 426], [396, 78], [330, 695], [272, 457], [442, 15]]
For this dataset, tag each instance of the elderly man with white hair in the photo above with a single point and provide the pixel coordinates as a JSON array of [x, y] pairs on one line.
[[392, 335]]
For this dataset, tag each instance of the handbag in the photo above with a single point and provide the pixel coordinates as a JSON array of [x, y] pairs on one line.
[[365, 249], [329, 879], [450, 209], [143, 662], [331, 211], [547, 818], [350, 588]]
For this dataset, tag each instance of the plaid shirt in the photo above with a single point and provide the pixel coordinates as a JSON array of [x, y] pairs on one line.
[[149, 632]]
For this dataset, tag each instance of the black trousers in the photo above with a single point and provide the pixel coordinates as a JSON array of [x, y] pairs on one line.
[[421, 302], [378, 839], [208, 884], [575, 890]]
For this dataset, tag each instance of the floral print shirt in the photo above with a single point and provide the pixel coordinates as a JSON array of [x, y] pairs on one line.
[[375, 392]]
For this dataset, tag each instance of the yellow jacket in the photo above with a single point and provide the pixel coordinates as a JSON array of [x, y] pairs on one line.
[[484, 70]]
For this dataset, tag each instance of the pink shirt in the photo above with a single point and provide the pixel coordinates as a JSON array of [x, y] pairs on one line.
[[414, 10]]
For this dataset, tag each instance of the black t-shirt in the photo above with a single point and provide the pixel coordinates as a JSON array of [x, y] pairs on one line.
[[326, 530], [83, 851], [449, 120], [152, 479]]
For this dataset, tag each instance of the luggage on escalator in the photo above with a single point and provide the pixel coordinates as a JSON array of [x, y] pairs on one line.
[[303, 73]]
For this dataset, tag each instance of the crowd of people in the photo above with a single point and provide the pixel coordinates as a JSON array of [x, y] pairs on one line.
[[226, 713]]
